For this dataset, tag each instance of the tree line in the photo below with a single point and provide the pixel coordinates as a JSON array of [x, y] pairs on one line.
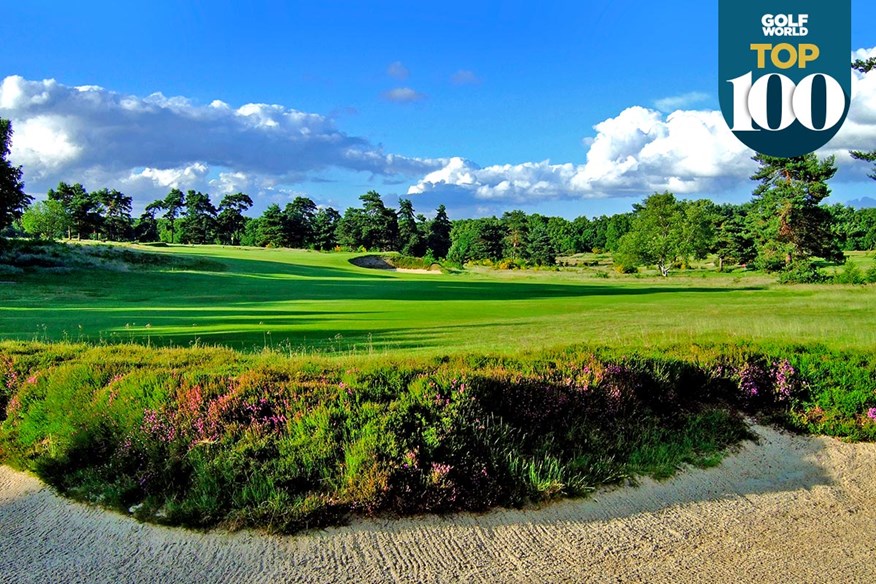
[[784, 226]]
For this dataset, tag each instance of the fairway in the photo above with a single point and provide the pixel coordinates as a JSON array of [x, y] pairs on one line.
[[306, 302]]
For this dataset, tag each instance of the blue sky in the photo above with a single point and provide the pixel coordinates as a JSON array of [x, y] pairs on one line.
[[486, 106]]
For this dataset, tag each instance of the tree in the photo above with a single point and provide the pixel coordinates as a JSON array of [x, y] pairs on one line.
[[299, 215], [269, 228], [787, 220], [325, 226], [866, 157], [13, 199], [116, 223], [865, 66], [199, 222], [373, 226], [172, 205], [616, 227], [564, 238], [698, 228], [516, 225], [231, 221], [539, 249], [733, 242], [656, 236], [381, 224], [594, 234], [583, 230], [82, 209], [146, 227], [411, 240], [476, 239], [45, 219], [351, 229], [439, 239]]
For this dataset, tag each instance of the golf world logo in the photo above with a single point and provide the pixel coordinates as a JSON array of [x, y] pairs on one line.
[[784, 72]]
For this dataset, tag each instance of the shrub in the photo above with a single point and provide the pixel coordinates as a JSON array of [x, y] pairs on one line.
[[801, 273], [851, 274], [207, 436]]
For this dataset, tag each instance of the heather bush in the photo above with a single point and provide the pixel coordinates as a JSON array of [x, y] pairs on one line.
[[207, 436]]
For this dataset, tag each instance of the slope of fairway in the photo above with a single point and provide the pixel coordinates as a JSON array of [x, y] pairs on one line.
[[300, 301]]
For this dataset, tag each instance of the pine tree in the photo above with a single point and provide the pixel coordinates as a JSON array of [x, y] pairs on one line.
[[411, 241], [13, 199], [787, 220], [438, 239]]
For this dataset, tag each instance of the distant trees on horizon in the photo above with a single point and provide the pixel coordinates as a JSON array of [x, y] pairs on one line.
[[785, 222], [784, 226]]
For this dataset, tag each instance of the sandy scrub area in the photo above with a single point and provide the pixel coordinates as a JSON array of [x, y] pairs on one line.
[[789, 509]]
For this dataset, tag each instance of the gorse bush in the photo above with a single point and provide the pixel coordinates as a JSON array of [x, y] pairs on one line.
[[207, 436]]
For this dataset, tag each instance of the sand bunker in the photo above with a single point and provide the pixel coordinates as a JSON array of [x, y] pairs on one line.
[[790, 509], [374, 262]]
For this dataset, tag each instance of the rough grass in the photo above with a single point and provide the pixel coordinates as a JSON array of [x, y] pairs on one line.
[[209, 436]]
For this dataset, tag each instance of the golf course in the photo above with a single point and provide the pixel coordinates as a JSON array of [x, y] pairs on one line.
[[285, 389], [306, 302]]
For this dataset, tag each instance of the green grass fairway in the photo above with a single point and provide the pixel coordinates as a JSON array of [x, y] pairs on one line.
[[301, 301]]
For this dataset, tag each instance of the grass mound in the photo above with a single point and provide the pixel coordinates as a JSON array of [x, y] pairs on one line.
[[209, 436], [47, 256]]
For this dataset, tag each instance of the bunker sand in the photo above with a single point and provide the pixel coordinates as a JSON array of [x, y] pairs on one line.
[[788, 509]]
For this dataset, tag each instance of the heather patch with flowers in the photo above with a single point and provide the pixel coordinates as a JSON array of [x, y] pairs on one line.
[[208, 436]]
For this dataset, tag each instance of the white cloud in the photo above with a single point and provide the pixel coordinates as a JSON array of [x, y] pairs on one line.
[[642, 150], [169, 178], [149, 144], [864, 54], [859, 130], [686, 100], [44, 142], [639, 151], [398, 70], [74, 133], [403, 95]]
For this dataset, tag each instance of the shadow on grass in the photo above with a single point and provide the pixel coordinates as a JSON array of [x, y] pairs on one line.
[[238, 306]]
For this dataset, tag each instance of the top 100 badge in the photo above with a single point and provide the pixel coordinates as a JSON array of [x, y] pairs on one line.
[[784, 72]]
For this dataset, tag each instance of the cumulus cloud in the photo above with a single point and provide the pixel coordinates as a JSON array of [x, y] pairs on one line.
[[403, 95], [66, 133], [398, 71], [859, 130], [638, 151], [642, 150], [685, 100], [464, 77]]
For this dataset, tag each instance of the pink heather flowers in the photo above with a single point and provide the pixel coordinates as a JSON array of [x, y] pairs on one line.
[[748, 381], [783, 375], [871, 413], [157, 427], [439, 472]]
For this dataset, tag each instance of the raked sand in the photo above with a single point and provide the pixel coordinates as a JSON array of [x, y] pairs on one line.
[[789, 509]]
